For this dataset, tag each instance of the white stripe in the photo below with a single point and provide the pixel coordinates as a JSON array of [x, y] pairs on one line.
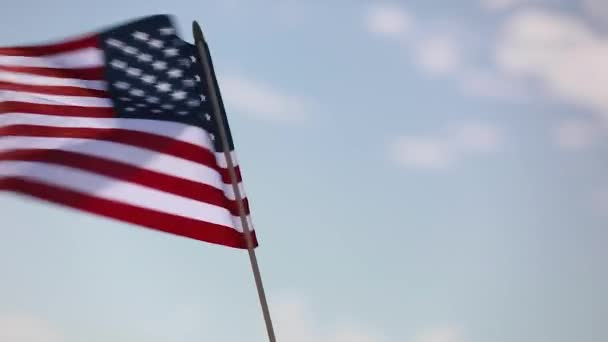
[[24, 78], [175, 130], [61, 100], [123, 192], [131, 155], [83, 58], [221, 159]]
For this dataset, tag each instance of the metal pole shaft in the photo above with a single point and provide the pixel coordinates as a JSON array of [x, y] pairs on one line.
[[200, 41]]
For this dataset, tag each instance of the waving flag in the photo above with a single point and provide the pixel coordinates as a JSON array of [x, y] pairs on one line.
[[117, 124]]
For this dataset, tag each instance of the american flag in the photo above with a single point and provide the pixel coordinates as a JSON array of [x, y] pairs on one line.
[[117, 123]]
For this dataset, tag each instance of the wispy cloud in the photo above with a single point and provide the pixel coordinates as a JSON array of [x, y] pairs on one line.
[[498, 5], [449, 52], [295, 322], [560, 51], [263, 101], [25, 328], [596, 8], [422, 152], [487, 83], [389, 20], [574, 134], [441, 50], [537, 53], [440, 334], [476, 137], [443, 150], [438, 54]]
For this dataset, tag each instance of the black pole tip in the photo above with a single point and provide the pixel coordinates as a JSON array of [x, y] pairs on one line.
[[197, 31]]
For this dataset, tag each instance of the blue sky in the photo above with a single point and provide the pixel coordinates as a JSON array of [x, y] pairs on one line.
[[418, 172]]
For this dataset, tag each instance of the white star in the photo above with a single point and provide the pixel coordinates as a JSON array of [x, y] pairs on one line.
[[175, 73], [129, 109], [197, 78], [212, 136], [203, 98], [167, 106], [193, 103], [179, 95], [142, 105], [129, 50], [171, 52], [118, 64], [159, 65], [126, 99], [166, 31], [137, 92], [134, 72], [189, 83], [144, 57], [121, 85], [193, 59], [115, 43], [182, 112], [207, 117], [155, 43], [149, 79], [163, 87], [142, 36], [156, 111], [152, 99]]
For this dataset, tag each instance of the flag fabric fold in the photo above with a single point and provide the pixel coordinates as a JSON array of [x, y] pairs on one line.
[[117, 123]]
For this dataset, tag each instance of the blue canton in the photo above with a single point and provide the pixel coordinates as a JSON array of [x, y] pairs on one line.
[[153, 74]]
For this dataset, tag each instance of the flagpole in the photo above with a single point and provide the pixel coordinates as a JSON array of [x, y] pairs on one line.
[[199, 40]]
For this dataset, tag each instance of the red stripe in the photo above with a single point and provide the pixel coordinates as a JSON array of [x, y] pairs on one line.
[[173, 224], [144, 140], [54, 90], [51, 49], [36, 108], [155, 180], [89, 74]]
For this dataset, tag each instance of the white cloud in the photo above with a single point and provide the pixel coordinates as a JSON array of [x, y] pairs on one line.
[[499, 5], [438, 54], [294, 321], [262, 101], [477, 137], [490, 84], [389, 20], [291, 320], [442, 49], [562, 52], [596, 8], [440, 334], [437, 152], [24, 328], [576, 133], [422, 152], [353, 334], [444, 53]]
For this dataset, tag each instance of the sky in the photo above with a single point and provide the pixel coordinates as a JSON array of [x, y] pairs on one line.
[[419, 171]]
